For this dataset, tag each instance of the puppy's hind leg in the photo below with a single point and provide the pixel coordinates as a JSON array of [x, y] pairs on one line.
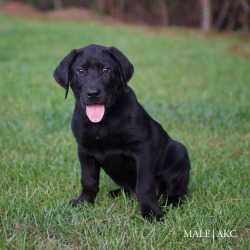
[[176, 181], [177, 189]]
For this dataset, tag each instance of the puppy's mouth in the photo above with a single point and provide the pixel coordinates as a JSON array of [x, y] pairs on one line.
[[95, 112]]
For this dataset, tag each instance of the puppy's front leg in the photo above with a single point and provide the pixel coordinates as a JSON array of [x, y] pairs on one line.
[[90, 172], [146, 186]]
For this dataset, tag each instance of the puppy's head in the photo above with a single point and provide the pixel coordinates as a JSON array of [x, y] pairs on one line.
[[97, 75]]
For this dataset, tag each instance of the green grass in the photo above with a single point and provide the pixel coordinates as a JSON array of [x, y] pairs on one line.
[[189, 82]]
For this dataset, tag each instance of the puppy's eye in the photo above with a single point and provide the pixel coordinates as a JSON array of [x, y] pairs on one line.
[[106, 70], [81, 71]]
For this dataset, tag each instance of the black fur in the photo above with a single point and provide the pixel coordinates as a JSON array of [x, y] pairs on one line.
[[132, 148]]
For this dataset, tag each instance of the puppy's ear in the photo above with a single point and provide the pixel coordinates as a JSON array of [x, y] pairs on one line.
[[62, 71], [125, 67]]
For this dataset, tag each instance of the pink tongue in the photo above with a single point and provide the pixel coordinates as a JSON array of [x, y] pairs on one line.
[[95, 113]]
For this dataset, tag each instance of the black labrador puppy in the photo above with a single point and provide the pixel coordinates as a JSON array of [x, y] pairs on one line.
[[113, 131]]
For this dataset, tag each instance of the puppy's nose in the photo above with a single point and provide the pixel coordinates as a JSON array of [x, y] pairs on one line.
[[93, 94]]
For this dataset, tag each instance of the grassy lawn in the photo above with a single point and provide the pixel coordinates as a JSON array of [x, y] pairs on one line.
[[194, 85]]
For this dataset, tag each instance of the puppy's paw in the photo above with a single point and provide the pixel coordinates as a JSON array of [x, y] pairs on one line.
[[151, 216], [175, 201], [76, 202], [159, 217]]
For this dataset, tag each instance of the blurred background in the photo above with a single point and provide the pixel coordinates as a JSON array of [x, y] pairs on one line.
[[226, 15]]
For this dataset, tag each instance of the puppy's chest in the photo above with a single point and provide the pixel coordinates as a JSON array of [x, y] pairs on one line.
[[99, 133], [102, 138]]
